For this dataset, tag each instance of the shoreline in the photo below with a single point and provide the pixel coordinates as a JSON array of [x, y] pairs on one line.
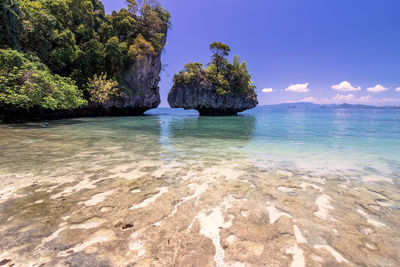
[[23, 116]]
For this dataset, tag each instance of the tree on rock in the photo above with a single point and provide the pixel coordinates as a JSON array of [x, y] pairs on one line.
[[220, 52]]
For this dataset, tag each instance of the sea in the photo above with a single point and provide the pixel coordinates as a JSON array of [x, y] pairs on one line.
[[269, 187]]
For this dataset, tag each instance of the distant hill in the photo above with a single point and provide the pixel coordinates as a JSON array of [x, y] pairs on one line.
[[308, 105]]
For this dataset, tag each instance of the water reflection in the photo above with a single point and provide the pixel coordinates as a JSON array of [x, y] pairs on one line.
[[213, 128], [209, 139]]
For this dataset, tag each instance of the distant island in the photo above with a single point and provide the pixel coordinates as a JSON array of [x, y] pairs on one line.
[[68, 58], [221, 88], [308, 105]]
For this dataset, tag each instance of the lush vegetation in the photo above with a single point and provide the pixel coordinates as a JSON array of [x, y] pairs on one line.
[[225, 77], [56, 54], [26, 82]]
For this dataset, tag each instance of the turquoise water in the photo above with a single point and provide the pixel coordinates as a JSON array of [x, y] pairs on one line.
[[274, 187], [303, 138]]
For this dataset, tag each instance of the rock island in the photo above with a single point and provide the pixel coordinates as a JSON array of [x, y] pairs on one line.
[[221, 88]]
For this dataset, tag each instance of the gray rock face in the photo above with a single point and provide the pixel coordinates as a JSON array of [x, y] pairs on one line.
[[141, 79], [205, 100]]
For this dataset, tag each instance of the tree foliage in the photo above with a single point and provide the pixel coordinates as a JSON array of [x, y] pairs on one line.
[[10, 24], [101, 88], [220, 52], [27, 83], [77, 40], [226, 78]]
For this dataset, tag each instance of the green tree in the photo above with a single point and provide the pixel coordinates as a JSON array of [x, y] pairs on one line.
[[140, 47], [10, 24], [27, 83], [220, 52], [90, 60], [226, 78], [113, 55], [132, 5], [63, 57]]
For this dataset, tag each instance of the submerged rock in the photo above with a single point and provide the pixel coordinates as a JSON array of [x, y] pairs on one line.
[[207, 102]]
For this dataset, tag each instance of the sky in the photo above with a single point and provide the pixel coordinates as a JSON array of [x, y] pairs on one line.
[[320, 51]]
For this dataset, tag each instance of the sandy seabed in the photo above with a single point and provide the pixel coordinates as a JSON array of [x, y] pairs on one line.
[[201, 216]]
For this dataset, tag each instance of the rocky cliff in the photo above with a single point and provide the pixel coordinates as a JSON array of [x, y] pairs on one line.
[[141, 80], [203, 98]]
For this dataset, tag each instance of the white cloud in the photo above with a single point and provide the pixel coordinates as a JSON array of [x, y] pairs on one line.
[[365, 99], [300, 88], [398, 89], [377, 89], [391, 100], [350, 99], [339, 99], [267, 90], [345, 86], [309, 99], [343, 98]]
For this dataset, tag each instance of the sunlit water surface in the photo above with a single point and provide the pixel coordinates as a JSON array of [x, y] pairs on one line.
[[269, 187]]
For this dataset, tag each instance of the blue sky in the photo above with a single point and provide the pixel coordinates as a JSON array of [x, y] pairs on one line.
[[297, 50]]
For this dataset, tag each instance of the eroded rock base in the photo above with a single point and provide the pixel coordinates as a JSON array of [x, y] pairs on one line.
[[218, 112]]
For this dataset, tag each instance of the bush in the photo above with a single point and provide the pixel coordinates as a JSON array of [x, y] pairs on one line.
[[101, 89], [25, 83]]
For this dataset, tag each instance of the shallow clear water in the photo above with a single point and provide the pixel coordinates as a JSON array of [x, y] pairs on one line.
[[269, 187]]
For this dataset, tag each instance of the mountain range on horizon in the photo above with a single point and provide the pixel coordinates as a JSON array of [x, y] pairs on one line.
[[309, 105]]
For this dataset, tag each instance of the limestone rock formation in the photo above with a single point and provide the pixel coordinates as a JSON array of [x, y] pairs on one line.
[[221, 88], [207, 102], [141, 78]]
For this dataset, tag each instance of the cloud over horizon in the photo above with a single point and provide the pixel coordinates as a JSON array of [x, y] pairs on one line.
[[350, 99], [345, 86], [308, 99], [398, 89], [339, 99], [377, 89], [267, 90], [300, 88]]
